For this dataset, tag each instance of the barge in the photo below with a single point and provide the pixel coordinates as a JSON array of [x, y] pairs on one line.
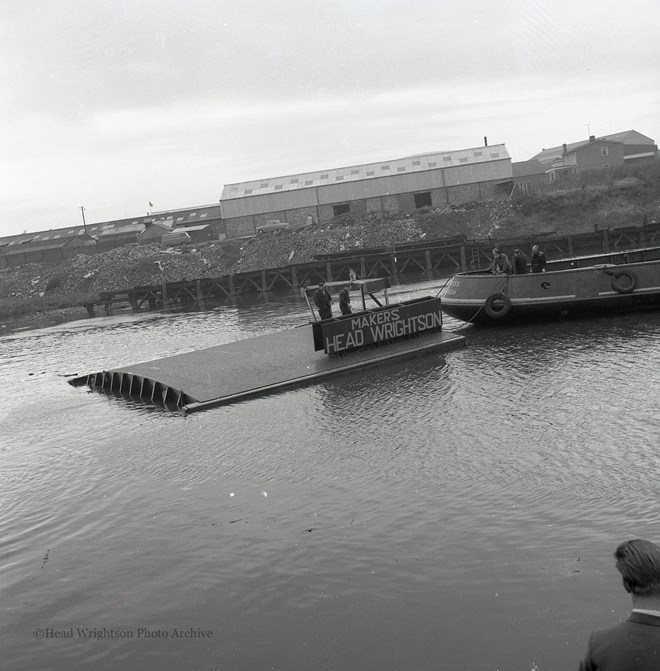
[[569, 288]]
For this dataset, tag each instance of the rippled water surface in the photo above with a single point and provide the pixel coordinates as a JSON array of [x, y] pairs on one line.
[[455, 511]]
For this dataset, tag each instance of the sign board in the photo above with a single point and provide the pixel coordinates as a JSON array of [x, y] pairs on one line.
[[392, 322]]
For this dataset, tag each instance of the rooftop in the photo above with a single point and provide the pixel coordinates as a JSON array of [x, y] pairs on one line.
[[354, 173], [625, 137]]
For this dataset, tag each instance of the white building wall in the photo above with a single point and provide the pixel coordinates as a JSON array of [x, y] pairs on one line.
[[368, 188]]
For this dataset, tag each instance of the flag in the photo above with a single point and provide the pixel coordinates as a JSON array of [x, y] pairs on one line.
[[151, 204]]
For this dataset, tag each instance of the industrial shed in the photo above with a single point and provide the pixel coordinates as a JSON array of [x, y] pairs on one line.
[[50, 247], [201, 233], [397, 186], [154, 233], [210, 215]]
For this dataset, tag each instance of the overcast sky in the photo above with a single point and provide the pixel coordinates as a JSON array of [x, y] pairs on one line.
[[111, 104]]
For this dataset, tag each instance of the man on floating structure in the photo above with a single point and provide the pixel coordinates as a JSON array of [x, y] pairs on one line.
[[323, 301], [345, 300], [538, 260], [633, 645]]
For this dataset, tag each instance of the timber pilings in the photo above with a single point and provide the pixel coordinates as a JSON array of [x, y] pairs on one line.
[[429, 259]]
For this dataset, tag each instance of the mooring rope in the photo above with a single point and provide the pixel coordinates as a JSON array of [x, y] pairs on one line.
[[502, 288]]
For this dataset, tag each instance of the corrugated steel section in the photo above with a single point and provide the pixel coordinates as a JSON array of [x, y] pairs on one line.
[[189, 215], [118, 227], [29, 248], [488, 164], [200, 227], [356, 173], [126, 229]]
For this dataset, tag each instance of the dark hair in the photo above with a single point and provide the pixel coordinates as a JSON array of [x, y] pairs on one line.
[[638, 561]]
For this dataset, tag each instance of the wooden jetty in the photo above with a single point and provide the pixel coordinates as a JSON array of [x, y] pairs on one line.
[[425, 259]]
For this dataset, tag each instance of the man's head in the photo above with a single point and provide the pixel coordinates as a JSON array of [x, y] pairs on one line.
[[322, 285], [496, 250], [516, 252], [638, 561], [535, 249]]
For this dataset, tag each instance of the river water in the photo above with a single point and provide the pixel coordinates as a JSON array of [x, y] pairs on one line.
[[456, 511]]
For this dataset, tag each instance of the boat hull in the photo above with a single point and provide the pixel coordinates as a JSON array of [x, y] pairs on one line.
[[484, 298]]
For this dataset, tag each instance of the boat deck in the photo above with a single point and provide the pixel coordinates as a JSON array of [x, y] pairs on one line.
[[251, 367]]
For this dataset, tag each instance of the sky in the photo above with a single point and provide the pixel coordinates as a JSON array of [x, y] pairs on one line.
[[111, 105]]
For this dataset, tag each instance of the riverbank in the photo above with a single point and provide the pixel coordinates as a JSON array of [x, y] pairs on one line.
[[624, 198], [41, 319]]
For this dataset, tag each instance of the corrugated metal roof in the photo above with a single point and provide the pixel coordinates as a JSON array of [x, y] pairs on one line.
[[584, 144], [118, 229], [29, 248], [409, 164], [199, 227], [208, 209]]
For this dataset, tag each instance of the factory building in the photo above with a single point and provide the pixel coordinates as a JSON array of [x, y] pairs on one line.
[[393, 187]]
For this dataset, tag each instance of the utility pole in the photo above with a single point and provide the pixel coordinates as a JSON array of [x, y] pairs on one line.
[[82, 210]]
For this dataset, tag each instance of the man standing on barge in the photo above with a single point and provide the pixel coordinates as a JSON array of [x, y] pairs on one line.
[[538, 260], [323, 301], [345, 300], [519, 262], [501, 263]]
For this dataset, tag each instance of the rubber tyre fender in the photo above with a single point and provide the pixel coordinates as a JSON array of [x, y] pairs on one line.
[[492, 311], [629, 286]]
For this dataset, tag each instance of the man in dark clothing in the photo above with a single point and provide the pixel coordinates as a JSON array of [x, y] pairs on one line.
[[633, 645], [519, 262], [501, 262], [538, 260], [323, 301], [345, 300]]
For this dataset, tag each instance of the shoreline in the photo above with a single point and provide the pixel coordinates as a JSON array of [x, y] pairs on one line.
[[43, 319]]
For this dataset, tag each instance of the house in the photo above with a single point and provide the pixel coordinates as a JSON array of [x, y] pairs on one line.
[[596, 153], [396, 186], [625, 148]]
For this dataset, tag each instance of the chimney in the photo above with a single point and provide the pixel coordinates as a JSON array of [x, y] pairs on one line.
[[592, 138], [485, 141], [564, 148]]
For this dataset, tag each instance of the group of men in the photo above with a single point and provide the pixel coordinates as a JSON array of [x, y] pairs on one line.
[[518, 266], [323, 301]]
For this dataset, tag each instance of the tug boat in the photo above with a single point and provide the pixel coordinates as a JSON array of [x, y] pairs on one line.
[[569, 288]]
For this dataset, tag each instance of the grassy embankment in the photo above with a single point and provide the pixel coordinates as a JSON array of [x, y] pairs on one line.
[[604, 200]]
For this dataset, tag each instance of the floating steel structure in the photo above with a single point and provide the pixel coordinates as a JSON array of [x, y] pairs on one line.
[[274, 362]]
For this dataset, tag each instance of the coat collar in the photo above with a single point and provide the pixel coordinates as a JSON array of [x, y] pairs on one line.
[[644, 618]]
